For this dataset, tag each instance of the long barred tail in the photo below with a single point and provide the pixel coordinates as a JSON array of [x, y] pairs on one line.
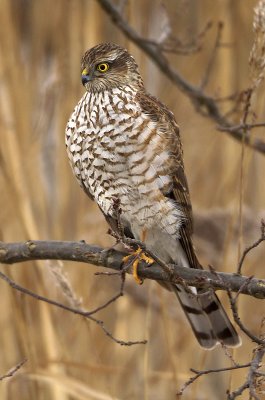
[[207, 318]]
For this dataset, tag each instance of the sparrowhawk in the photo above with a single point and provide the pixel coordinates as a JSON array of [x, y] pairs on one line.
[[124, 144]]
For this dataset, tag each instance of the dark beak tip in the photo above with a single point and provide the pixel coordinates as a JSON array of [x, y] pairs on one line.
[[85, 79]]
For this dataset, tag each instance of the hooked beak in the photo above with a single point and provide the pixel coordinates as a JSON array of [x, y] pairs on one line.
[[85, 77]]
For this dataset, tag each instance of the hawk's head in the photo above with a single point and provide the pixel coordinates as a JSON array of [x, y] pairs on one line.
[[108, 65]]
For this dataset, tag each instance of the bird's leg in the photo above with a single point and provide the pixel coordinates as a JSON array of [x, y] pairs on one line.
[[138, 256]]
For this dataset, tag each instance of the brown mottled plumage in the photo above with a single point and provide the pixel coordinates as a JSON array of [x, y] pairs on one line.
[[124, 144]]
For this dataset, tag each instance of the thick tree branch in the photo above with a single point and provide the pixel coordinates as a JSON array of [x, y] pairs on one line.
[[11, 253], [203, 103]]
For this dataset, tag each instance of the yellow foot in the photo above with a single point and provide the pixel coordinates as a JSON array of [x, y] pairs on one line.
[[138, 255]]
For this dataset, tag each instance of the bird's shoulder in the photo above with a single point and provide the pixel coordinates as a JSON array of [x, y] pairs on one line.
[[157, 111], [165, 124]]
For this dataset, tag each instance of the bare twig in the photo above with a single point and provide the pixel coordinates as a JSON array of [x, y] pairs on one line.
[[209, 67], [247, 104], [252, 376], [241, 127], [86, 314], [175, 46], [203, 103], [114, 298], [251, 247], [238, 392], [238, 320], [228, 354], [230, 97], [11, 253], [13, 370], [198, 374], [250, 382]]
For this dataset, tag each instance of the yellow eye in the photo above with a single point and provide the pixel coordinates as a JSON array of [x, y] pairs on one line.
[[103, 67]]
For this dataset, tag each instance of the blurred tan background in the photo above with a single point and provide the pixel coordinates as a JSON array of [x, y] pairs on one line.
[[69, 358]]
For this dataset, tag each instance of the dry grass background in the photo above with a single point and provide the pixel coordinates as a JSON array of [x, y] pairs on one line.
[[69, 358]]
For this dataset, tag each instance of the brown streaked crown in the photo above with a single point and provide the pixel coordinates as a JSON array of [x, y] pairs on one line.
[[122, 71]]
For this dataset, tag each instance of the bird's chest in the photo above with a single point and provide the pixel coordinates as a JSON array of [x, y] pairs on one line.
[[105, 142]]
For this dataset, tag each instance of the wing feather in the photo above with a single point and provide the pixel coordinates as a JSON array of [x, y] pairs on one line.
[[178, 189]]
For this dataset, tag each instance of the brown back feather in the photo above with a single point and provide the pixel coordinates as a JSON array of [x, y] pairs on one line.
[[178, 191]]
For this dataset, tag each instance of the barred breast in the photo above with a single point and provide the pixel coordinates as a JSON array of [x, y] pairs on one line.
[[117, 152]]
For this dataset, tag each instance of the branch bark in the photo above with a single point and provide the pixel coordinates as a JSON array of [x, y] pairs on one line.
[[11, 253]]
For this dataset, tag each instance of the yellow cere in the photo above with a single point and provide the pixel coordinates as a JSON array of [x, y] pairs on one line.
[[85, 71]]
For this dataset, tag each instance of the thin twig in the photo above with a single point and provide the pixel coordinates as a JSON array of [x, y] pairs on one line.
[[235, 128], [238, 320], [210, 64], [13, 370], [238, 392], [253, 374], [112, 300], [228, 354], [247, 105], [251, 247], [176, 46], [198, 374], [83, 313]]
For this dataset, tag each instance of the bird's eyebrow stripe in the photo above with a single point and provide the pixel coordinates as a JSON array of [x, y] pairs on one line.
[[108, 58], [110, 62]]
